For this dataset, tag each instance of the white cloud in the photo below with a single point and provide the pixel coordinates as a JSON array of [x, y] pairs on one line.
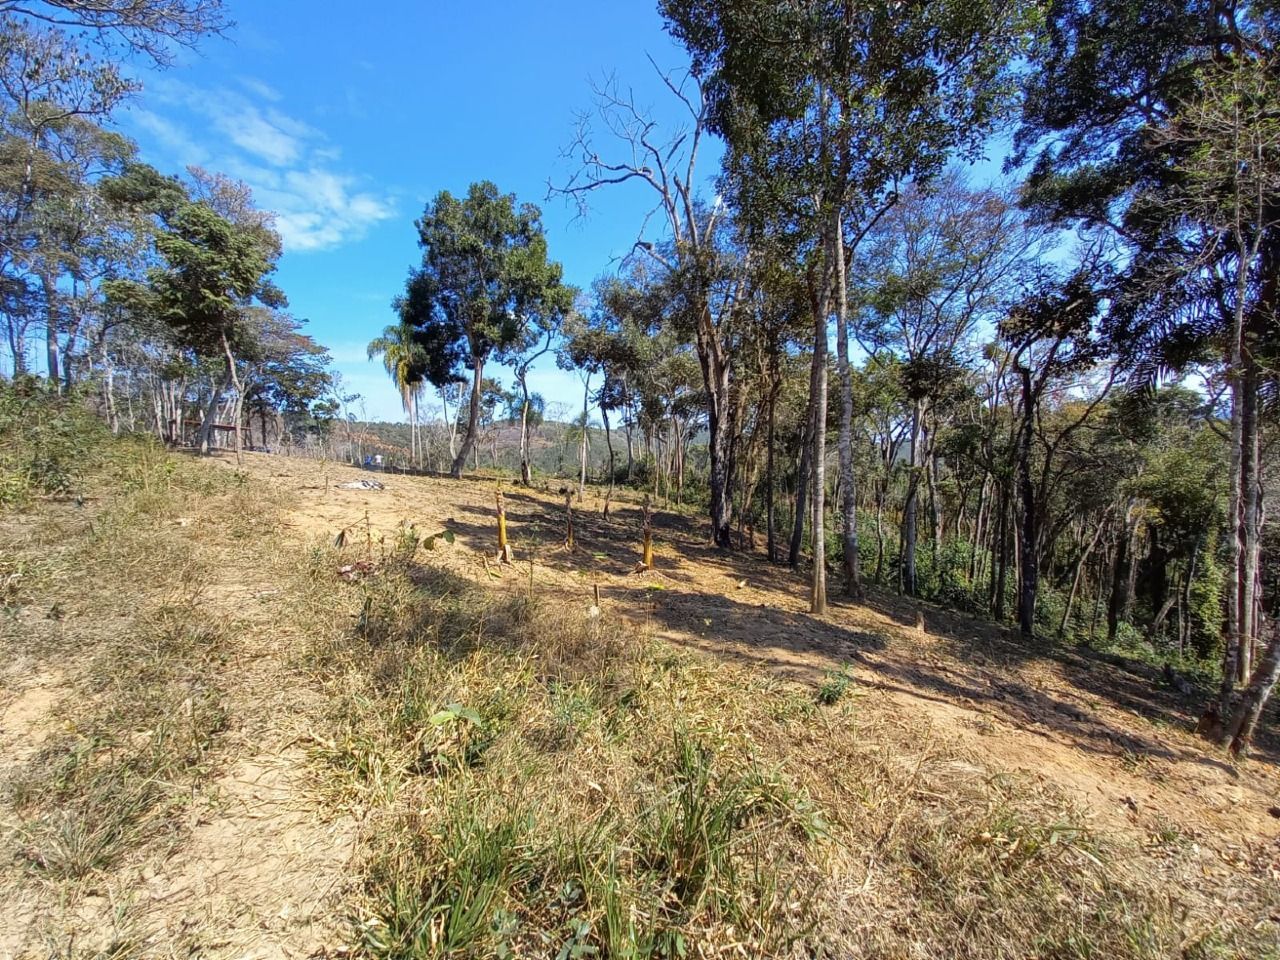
[[262, 90], [288, 164], [255, 133], [171, 136]]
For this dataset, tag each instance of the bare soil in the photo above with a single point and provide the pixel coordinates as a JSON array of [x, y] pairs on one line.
[[251, 863], [263, 869], [1105, 728]]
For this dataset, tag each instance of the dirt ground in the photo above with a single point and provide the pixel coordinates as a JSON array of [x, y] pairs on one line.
[[1106, 729], [254, 865], [263, 865]]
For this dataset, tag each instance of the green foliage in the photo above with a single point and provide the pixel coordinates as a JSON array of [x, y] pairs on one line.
[[484, 273], [835, 685], [1207, 588], [438, 895], [405, 359], [214, 268], [47, 442], [777, 75]]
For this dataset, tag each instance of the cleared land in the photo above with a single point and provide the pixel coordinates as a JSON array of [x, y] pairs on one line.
[[221, 734]]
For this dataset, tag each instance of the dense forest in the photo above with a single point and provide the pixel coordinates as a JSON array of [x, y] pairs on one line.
[[1044, 395]]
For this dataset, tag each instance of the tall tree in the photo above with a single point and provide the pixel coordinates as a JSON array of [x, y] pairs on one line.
[[1052, 334], [1153, 120], [404, 359], [54, 97], [212, 272], [828, 110], [944, 261], [483, 280], [707, 276]]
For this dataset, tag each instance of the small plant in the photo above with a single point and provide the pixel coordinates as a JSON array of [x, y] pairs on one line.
[[835, 685], [439, 895], [1166, 833]]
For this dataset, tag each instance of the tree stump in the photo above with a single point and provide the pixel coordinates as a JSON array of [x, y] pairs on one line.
[[504, 548], [646, 550], [568, 520]]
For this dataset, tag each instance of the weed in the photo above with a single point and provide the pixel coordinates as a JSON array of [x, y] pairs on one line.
[[835, 685], [438, 893]]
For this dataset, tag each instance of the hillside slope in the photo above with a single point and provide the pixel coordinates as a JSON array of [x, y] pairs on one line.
[[223, 735], [1108, 728]]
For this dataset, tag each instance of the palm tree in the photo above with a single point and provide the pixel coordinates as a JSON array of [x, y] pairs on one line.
[[404, 360]]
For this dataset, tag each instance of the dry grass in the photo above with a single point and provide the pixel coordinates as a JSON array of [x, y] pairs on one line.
[[535, 778], [107, 590], [541, 781]]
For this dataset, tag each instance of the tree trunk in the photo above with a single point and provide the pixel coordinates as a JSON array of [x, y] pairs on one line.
[[907, 561], [848, 483], [239, 388], [771, 532], [473, 422], [1249, 533], [627, 429], [720, 477], [582, 447], [880, 497], [1028, 573], [109, 388], [935, 507], [979, 535], [204, 440], [451, 424], [1120, 576], [51, 329], [526, 471], [1184, 600], [821, 306], [1075, 580], [608, 442], [716, 364], [1000, 570], [802, 485], [1244, 719]]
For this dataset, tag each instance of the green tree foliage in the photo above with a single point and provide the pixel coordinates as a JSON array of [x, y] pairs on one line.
[[484, 274], [1154, 124], [405, 360], [209, 286]]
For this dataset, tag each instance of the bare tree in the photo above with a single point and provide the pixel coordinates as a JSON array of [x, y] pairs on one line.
[[149, 27], [667, 165]]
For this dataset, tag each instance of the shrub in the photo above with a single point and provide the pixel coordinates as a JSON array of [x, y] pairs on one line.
[[47, 442]]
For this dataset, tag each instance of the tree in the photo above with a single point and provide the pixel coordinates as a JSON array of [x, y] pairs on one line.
[[596, 342], [404, 359], [212, 272], [483, 281], [1051, 333], [527, 410], [534, 340], [288, 375], [53, 98], [1154, 122], [828, 109], [147, 27], [705, 274], [943, 261]]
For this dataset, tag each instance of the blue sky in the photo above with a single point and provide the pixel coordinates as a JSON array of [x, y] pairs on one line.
[[345, 125]]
